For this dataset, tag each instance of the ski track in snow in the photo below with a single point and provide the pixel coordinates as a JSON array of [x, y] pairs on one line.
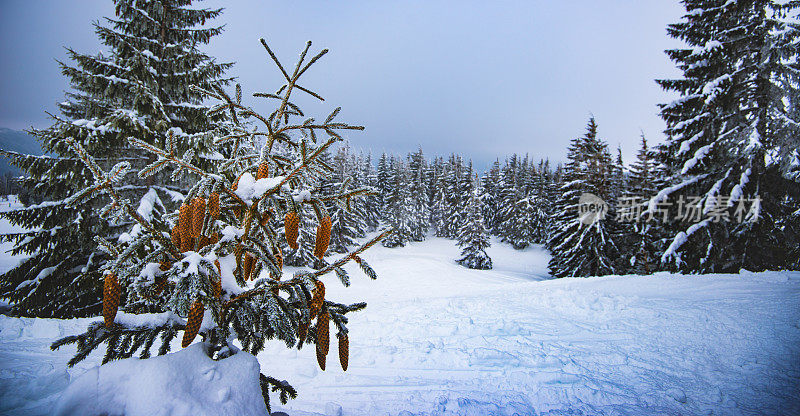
[[440, 339]]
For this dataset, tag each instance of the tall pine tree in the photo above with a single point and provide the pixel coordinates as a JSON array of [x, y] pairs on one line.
[[732, 143], [140, 87]]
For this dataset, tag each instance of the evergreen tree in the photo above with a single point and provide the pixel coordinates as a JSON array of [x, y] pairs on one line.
[[398, 208], [372, 202], [347, 215], [201, 257], [732, 137], [420, 208], [473, 236], [140, 87], [489, 194], [582, 244]]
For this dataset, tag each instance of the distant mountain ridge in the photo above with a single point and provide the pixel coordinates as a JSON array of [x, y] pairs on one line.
[[16, 141]]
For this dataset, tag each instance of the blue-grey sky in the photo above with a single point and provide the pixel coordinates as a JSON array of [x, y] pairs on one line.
[[482, 78]]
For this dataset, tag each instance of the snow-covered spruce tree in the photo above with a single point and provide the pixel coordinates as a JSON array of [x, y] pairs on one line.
[[398, 204], [138, 87], [733, 135], [643, 234], [583, 248], [473, 236], [214, 267], [372, 202], [347, 215], [420, 209], [489, 194], [384, 183]]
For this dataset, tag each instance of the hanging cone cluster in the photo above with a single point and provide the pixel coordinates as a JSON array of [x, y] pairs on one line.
[[193, 322], [188, 233], [323, 237], [111, 291], [291, 224]]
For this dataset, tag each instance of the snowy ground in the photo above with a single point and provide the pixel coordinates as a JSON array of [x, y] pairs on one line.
[[439, 339]]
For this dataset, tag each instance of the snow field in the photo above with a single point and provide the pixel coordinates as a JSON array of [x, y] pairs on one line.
[[440, 339]]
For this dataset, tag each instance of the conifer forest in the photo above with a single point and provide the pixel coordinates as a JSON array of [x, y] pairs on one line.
[[202, 215]]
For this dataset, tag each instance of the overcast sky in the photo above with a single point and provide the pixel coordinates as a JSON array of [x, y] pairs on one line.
[[482, 78]]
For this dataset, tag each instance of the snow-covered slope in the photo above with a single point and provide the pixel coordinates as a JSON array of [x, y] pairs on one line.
[[439, 339]]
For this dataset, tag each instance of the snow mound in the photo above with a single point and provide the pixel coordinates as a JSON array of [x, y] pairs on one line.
[[186, 382]]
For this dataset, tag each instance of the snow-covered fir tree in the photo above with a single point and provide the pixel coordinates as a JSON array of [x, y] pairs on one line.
[[420, 207], [732, 149], [139, 86], [398, 204], [583, 244], [473, 236], [347, 215], [188, 271], [489, 194], [372, 202], [643, 232]]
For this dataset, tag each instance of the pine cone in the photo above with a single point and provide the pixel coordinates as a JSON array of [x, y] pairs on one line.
[[323, 237], [291, 225], [165, 265], [111, 292], [213, 205], [344, 351], [198, 216], [193, 322], [317, 298], [323, 338], [263, 170], [185, 227], [249, 264], [302, 331]]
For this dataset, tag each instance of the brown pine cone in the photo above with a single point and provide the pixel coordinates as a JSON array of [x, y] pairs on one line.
[[193, 322], [344, 351], [249, 264], [317, 298], [263, 170], [213, 205], [216, 283], [185, 227], [291, 226], [323, 237], [198, 216], [111, 292], [323, 338]]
